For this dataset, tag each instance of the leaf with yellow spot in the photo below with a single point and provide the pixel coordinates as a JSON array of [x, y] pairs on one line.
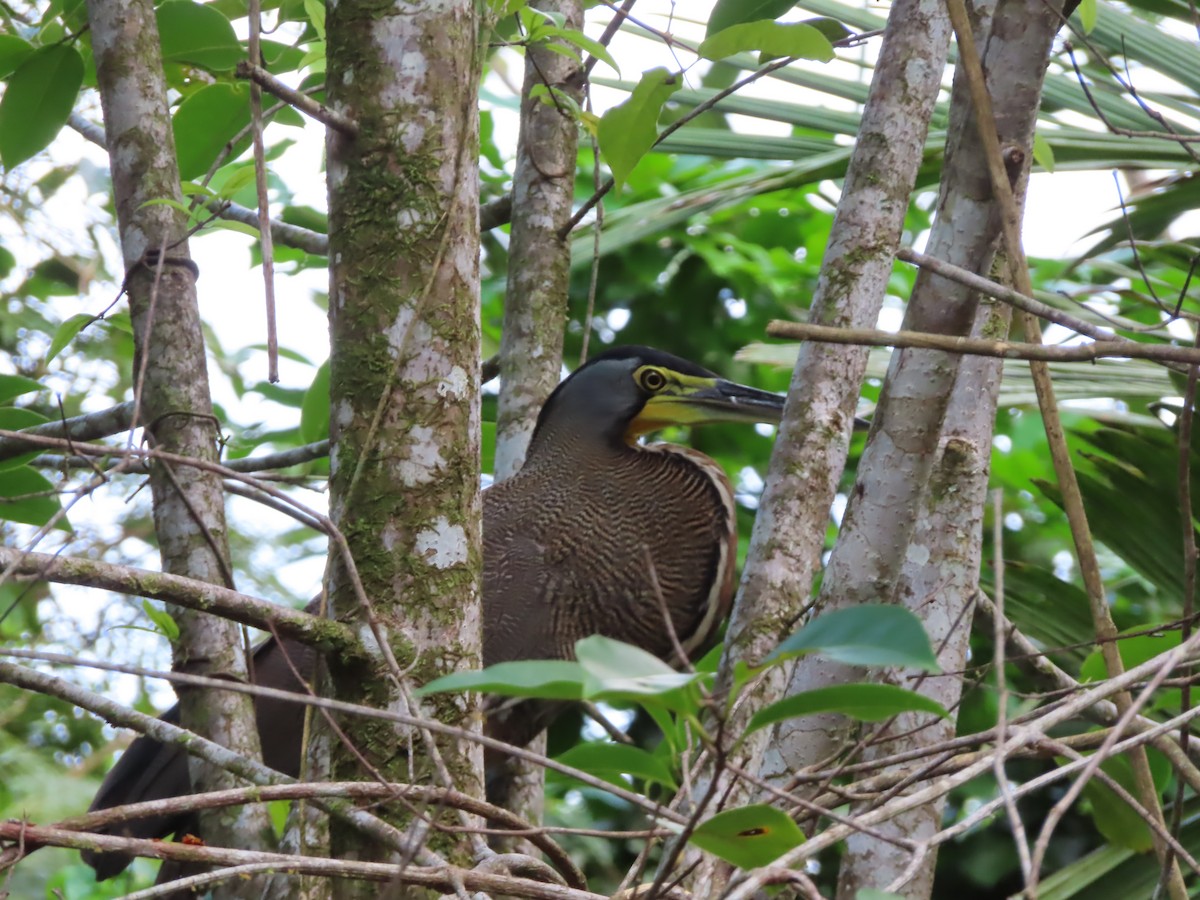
[[749, 836]]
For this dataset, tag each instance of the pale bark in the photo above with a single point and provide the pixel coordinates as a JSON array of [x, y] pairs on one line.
[[810, 453], [535, 303], [175, 408], [913, 529], [404, 326]]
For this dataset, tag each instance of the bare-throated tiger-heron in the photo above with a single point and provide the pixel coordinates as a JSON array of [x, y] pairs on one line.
[[597, 533]]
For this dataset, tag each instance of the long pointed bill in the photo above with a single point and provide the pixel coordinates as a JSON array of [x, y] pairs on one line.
[[702, 400]]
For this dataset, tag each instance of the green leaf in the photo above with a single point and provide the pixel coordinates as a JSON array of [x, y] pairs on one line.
[[749, 836], [1113, 817], [162, 620], [14, 418], [13, 52], [770, 38], [867, 635], [865, 702], [734, 12], [1087, 15], [628, 131], [65, 333], [39, 97], [197, 34], [315, 10], [581, 40], [618, 671], [876, 894], [831, 28], [610, 761], [551, 679], [314, 411], [27, 496], [208, 120], [15, 385], [1043, 153]]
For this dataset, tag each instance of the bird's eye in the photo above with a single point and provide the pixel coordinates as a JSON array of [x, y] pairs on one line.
[[652, 380]]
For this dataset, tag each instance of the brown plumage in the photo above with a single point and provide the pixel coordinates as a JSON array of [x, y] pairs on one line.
[[573, 546]]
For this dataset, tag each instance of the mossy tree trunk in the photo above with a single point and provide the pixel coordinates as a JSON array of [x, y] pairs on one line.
[[404, 326], [173, 400]]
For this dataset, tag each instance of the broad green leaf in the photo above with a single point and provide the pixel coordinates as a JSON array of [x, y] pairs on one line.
[[197, 34], [208, 120], [162, 620], [875, 894], [734, 12], [1087, 15], [581, 40], [865, 702], [769, 38], [551, 679], [37, 100], [14, 418], [1113, 817], [831, 28], [15, 385], [610, 761], [1134, 651], [749, 836], [315, 10], [617, 671], [1043, 153], [13, 52], [314, 412], [27, 496], [628, 131], [867, 635], [65, 333]]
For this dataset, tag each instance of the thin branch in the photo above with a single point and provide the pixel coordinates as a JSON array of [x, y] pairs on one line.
[[653, 809], [1005, 294], [254, 14], [871, 337], [324, 634], [441, 878], [1060, 454], [88, 427], [352, 790], [292, 97]]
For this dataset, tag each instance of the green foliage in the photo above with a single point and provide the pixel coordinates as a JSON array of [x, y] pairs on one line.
[[628, 131], [37, 100], [749, 836], [726, 13], [867, 635], [197, 34], [712, 235], [771, 39], [614, 761], [864, 702]]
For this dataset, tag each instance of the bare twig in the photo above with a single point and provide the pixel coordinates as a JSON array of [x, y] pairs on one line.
[[978, 346], [290, 96]]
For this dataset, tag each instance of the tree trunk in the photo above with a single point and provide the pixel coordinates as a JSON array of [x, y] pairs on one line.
[[535, 304], [173, 399], [404, 382], [810, 453]]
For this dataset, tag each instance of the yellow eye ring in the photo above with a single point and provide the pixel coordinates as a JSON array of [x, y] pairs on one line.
[[652, 380]]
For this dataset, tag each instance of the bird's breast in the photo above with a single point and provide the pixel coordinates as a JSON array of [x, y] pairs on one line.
[[582, 548]]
